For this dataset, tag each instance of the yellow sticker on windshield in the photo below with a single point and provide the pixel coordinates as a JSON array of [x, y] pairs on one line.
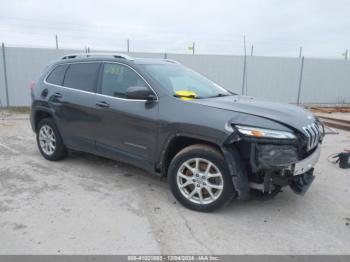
[[186, 95]]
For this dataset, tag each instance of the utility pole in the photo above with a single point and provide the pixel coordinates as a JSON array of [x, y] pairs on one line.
[[87, 50], [192, 48], [346, 54], [300, 79], [56, 37], [300, 51], [5, 75], [251, 50], [244, 65], [127, 45]]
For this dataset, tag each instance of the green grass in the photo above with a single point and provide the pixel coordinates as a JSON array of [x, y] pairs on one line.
[[18, 110]]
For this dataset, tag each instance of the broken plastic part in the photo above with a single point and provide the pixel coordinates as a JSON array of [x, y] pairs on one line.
[[239, 177], [301, 183], [270, 156]]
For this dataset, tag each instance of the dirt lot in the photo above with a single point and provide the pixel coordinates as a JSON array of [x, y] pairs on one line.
[[91, 205]]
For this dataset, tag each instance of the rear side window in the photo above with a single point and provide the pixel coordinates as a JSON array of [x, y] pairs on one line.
[[82, 76], [56, 76]]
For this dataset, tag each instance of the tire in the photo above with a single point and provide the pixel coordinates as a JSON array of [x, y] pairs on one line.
[[183, 171], [57, 150]]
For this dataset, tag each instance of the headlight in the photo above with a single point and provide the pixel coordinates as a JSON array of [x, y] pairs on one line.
[[264, 133]]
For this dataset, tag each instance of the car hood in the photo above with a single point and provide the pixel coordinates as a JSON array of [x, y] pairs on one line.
[[290, 115]]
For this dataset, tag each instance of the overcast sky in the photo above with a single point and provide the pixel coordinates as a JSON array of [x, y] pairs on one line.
[[274, 27]]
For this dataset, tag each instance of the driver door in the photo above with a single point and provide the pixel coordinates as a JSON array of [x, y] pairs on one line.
[[127, 128]]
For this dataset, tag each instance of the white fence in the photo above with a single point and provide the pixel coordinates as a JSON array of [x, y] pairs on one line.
[[292, 80]]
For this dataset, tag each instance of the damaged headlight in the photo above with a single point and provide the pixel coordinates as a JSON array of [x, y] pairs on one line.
[[264, 133]]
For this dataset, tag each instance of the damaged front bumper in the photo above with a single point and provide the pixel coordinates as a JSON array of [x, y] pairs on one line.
[[284, 157], [303, 172], [281, 165], [306, 164], [273, 159]]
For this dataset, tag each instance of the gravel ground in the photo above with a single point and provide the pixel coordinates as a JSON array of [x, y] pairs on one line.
[[91, 205]]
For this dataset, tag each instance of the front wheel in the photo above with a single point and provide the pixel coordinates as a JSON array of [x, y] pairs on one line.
[[199, 178]]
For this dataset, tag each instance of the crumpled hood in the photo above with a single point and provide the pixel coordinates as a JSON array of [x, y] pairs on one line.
[[290, 115]]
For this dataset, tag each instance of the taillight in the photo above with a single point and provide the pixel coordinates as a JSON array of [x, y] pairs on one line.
[[31, 86]]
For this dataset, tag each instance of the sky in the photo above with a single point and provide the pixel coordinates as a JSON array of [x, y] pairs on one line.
[[273, 27]]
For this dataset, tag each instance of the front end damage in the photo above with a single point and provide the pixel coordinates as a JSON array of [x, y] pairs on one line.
[[271, 164], [275, 166]]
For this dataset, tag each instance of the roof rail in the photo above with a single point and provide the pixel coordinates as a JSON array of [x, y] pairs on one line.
[[85, 55]]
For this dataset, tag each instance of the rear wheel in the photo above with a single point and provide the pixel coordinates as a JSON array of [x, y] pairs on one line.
[[49, 140], [199, 178]]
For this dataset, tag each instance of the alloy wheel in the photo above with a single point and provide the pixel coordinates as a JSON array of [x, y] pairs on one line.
[[47, 140], [200, 181]]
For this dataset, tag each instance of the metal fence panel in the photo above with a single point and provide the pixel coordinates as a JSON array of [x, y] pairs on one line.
[[273, 78], [25, 65], [145, 55], [325, 81], [224, 70], [2, 83]]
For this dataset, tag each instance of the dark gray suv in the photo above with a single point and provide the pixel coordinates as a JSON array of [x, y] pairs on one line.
[[169, 120]]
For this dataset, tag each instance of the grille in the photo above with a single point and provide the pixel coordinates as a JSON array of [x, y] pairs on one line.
[[313, 134]]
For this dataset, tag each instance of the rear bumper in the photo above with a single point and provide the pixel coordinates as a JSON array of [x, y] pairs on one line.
[[32, 120]]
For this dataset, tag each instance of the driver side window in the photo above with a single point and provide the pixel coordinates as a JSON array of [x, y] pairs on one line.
[[116, 79]]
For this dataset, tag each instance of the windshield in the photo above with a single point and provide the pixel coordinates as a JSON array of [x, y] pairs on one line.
[[183, 82]]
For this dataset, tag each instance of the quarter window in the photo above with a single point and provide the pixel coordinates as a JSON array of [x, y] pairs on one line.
[[82, 76], [56, 76], [117, 78]]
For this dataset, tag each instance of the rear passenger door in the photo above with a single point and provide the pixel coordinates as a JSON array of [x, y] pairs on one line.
[[127, 128], [73, 101]]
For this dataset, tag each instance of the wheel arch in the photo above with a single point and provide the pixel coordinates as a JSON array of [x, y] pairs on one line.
[[40, 114], [229, 151], [178, 142]]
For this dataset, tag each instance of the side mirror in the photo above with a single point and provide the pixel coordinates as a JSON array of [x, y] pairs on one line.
[[140, 92]]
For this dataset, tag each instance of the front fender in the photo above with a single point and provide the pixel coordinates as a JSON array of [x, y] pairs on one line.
[[166, 142], [237, 171]]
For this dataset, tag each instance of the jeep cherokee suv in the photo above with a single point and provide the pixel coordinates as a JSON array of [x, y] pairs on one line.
[[167, 119]]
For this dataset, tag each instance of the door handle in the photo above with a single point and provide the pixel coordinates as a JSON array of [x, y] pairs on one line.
[[102, 104], [57, 95]]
